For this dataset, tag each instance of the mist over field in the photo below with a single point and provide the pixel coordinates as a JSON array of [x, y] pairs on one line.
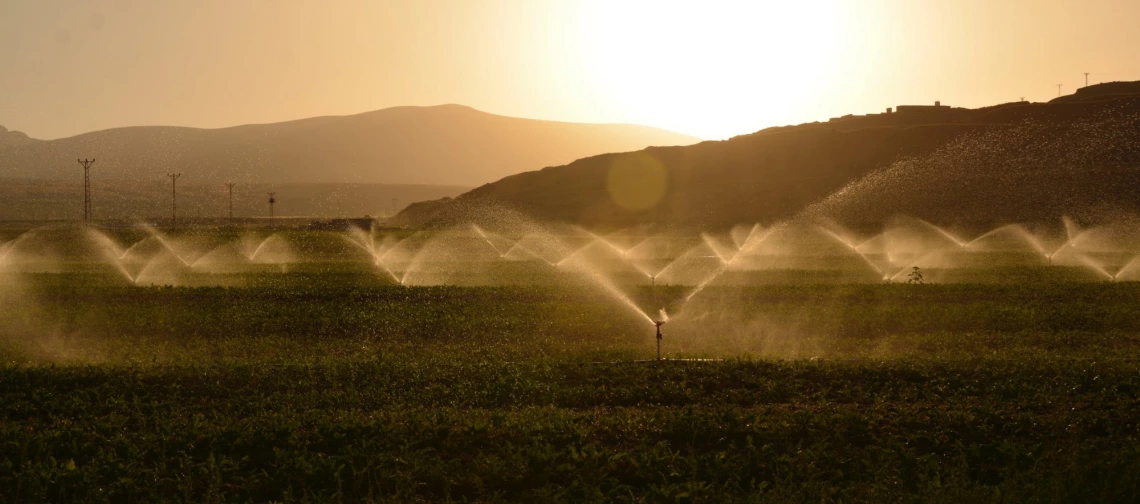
[[588, 251]]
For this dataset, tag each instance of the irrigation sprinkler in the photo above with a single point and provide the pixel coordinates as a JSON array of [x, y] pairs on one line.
[[659, 323]]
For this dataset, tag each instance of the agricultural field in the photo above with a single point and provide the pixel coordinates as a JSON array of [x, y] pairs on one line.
[[217, 366]]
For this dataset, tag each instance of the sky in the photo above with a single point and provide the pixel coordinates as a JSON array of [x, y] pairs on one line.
[[708, 68]]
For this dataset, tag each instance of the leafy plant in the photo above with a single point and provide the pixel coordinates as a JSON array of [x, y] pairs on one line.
[[915, 276]]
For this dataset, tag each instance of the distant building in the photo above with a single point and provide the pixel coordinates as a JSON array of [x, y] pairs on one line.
[[902, 109]]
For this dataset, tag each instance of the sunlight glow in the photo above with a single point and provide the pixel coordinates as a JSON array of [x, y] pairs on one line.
[[714, 68]]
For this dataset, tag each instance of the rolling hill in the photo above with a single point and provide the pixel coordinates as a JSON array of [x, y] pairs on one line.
[[1076, 156], [442, 145]]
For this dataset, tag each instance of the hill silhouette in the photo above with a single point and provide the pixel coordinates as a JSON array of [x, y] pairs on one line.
[[1011, 162], [444, 145], [1100, 92]]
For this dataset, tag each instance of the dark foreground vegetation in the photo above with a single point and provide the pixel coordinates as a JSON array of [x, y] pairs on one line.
[[340, 392]]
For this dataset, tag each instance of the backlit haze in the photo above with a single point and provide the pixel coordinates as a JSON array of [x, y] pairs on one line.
[[708, 68]]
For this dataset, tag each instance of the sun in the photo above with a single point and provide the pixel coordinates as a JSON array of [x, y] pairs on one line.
[[713, 68]]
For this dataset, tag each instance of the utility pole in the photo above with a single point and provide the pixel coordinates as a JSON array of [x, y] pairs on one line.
[[1086, 79], [86, 187], [1058, 90], [272, 200], [230, 186], [173, 199]]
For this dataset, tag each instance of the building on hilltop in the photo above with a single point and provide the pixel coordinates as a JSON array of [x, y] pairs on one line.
[[937, 107]]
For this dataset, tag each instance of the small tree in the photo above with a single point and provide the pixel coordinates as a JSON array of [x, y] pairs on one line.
[[915, 276]]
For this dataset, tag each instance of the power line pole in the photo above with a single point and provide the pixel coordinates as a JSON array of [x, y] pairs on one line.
[[230, 186], [173, 199], [272, 200], [1086, 79], [86, 187]]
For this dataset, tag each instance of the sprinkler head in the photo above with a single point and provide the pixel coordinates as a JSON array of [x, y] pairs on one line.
[[658, 324]]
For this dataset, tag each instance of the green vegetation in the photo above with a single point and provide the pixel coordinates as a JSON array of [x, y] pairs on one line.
[[309, 387]]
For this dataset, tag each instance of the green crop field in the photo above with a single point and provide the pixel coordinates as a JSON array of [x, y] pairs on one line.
[[320, 378]]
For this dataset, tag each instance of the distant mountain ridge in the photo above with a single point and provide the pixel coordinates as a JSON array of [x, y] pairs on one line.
[[1011, 162], [443, 145]]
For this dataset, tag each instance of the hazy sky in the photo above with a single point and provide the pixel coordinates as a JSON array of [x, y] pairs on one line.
[[709, 68]]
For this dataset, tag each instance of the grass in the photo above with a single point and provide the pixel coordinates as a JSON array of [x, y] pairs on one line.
[[328, 384]]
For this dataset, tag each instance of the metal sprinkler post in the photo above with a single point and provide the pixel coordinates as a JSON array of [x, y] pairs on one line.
[[659, 323]]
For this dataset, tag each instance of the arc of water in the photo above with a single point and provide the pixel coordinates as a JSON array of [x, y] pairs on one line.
[[619, 295], [1033, 241], [756, 240], [1072, 230], [519, 246], [487, 239], [110, 250], [9, 247], [194, 264], [688, 253], [380, 259], [367, 249], [146, 269], [723, 255], [854, 249], [418, 257], [638, 265], [1077, 237], [748, 246], [260, 247], [1095, 266], [609, 287], [359, 238], [620, 251], [1132, 263], [594, 238], [1056, 251], [1019, 231], [127, 251], [868, 241], [598, 278], [1073, 233], [841, 239], [751, 233], [162, 240], [133, 279], [946, 234], [575, 253], [383, 265]]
